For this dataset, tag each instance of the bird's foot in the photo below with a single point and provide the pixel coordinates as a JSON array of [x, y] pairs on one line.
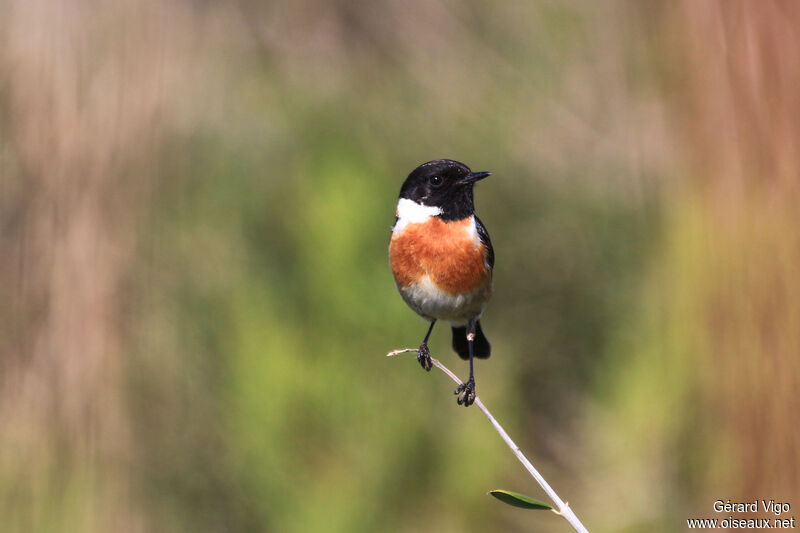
[[466, 393], [424, 357]]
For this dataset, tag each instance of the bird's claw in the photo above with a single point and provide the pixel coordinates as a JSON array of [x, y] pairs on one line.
[[466, 393], [424, 357]]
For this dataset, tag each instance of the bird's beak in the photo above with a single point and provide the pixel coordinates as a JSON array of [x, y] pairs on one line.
[[473, 177]]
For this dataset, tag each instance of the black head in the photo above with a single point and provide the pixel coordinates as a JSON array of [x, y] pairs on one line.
[[445, 184]]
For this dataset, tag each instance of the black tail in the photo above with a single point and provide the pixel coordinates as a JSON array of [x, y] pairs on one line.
[[481, 346]]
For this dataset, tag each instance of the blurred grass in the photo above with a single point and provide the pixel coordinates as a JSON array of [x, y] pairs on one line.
[[195, 297]]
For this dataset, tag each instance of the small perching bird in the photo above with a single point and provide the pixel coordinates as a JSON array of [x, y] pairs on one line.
[[442, 258]]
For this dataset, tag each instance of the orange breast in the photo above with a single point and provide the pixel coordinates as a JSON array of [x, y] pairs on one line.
[[448, 252]]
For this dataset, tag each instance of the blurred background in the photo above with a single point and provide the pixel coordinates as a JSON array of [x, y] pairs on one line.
[[195, 298]]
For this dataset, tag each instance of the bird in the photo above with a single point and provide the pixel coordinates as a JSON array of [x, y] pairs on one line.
[[442, 259]]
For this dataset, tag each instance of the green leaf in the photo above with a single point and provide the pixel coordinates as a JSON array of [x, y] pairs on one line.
[[519, 500]]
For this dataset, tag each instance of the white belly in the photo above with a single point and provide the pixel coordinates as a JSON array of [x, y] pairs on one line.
[[432, 303]]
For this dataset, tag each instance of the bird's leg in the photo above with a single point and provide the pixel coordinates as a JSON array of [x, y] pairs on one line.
[[423, 354], [466, 391]]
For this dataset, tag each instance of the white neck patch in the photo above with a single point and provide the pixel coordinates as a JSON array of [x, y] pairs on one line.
[[410, 212]]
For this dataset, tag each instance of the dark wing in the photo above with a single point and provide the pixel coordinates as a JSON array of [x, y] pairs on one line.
[[483, 235]]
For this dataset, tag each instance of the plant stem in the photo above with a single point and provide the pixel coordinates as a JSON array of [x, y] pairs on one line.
[[563, 508]]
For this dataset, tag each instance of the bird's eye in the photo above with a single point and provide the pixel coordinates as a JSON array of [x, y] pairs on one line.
[[436, 181]]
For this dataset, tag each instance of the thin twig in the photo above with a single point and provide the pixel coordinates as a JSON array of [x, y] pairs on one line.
[[562, 508]]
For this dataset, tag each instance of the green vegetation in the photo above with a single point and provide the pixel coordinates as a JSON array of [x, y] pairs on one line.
[[195, 299]]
